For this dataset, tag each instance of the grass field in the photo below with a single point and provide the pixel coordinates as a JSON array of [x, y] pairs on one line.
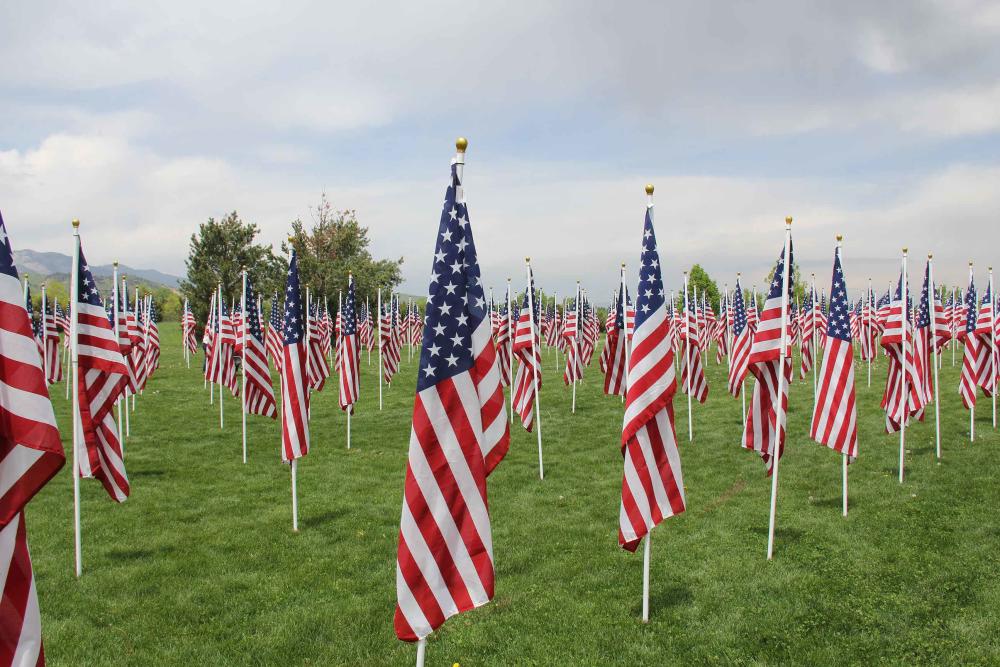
[[200, 566]]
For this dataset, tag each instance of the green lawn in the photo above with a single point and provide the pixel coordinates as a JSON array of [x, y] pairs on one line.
[[200, 566]]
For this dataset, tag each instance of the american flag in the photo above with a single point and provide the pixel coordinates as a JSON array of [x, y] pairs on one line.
[[767, 359], [867, 329], [365, 333], [742, 341], [970, 356], [103, 378], [527, 349], [609, 326], [30, 455], [152, 339], [347, 364], [753, 315], [221, 366], [294, 381], [958, 315], [698, 383], [318, 371], [614, 368], [36, 323], [574, 360], [50, 340], [444, 564], [898, 343], [588, 341], [504, 342], [986, 352], [810, 325], [652, 483], [390, 341], [275, 338], [924, 338], [257, 387], [835, 416], [720, 330], [188, 326]]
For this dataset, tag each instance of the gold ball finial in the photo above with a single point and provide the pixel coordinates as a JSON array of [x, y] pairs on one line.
[[930, 255], [116, 263], [508, 278], [840, 237], [970, 263], [788, 219], [904, 249], [738, 274], [461, 144], [527, 259], [623, 265], [76, 223], [649, 188]]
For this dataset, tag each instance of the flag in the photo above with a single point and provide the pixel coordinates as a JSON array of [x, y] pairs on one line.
[[103, 377], [389, 341], [574, 361], [652, 483], [810, 327], [970, 355], [152, 339], [50, 342], [986, 352], [504, 342], [897, 340], [30, 455], [444, 563], [294, 381], [698, 383], [526, 348], [614, 368], [835, 417], [275, 337], [742, 341], [768, 359], [317, 370], [347, 359], [259, 391]]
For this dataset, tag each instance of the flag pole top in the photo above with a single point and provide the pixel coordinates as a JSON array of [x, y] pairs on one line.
[[527, 260], [461, 144], [623, 265], [788, 221], [649, 188], [291, 238], [76, 223], [904, 250], [930, 255], [116, 263], [840, 237], [738, 274]]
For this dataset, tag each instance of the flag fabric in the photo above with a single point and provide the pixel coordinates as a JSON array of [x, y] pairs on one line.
[[294, 371], [810, 327], [50, 342], [652, 482], [275, 342], [742, 342], [897, 340], [503, 343], [366, 336], [986, 351], [30, 455], [444, 562], [767, 359], [103, 377], [318, 371], [698, 383], [347, 359], [574, 360], [970, 353], [835, 417], [152, 339], [527, 350], [221, 365], [614, 367], [258, 388], [188, 326], [390, 341]]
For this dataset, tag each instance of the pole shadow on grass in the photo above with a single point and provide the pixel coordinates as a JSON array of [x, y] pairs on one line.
[[124, 555], [667, 597], [313, 520]]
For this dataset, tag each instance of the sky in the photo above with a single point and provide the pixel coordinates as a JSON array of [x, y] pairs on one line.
[[876, 120]]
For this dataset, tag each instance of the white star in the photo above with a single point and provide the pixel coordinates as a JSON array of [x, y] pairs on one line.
[[434, 350], [429, 370], [456, 267], [447, 235], [463, 319], [452, 360], [445, 309], [451, 288], [453, 213], [439, 329], [457, 340]]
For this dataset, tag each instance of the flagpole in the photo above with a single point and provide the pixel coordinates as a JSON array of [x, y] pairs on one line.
[[368, 313], [687, 358], [243, 362], [577, 362], [74, 289], [340, 340], [510, 357], [218, 305], [812, 342], [933, 308], [378, 322], [972, 410], [870, 339], [114, 310], [534, 375], [904, 308], [840, 242], [993, 346], [775, 450], [954, 304], [623, 298]]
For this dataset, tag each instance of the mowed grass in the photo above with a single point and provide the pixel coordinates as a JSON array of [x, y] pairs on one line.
[[200, 566]]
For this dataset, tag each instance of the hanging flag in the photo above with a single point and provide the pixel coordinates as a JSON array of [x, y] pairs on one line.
[[103, 377], [503, 343], [294, 382], [257, 383], [698, 383], [444, 563], [767, 409], [30, 455], [614, 368], [985, 352], [835, 418], [347, 359], [275, 338], [742, 342], [897, 339], [970, 356], [652, 483], [527, 350]]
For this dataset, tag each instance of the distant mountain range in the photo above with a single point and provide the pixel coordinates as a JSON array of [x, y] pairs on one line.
[[41, 264]]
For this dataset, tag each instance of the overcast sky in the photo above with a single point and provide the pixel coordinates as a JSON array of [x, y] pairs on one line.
[[878, 120]]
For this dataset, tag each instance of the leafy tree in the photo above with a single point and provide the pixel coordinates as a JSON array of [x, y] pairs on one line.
[[698, 277], [218, 251], [337, 245]]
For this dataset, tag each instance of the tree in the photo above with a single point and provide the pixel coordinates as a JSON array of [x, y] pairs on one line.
[[337, 245], [698, 277], [218, 252]]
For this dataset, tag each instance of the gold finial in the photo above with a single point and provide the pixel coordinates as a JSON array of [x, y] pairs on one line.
[[291, 239], [788, 220], [508, 278], [840, 237], [623, 265], [461, 144], [904, 249], [970, 264], [116, 263], [649, 188], [76, 223], [930, 255], [738, 274], [527, 260]]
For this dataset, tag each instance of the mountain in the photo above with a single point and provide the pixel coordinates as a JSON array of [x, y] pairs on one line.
[[42, 264]]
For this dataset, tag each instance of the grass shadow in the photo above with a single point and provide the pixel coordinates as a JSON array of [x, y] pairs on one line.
[[124, 555], [319, 519]]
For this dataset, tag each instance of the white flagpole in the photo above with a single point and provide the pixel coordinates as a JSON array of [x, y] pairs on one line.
[[870, 339], [534, 375], [75, 357], [576, 343], [932, 288], [368, 313], [645, 577], [623, 298], [954, 305], [378, 322], [815, 351], [972, 410], [115, 313], [127, 393], [840, 240], [775, 451], [243, 361], [687, 357], [905, 308], [510, 357], [340, 340], [218, 305], [421, 652]]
